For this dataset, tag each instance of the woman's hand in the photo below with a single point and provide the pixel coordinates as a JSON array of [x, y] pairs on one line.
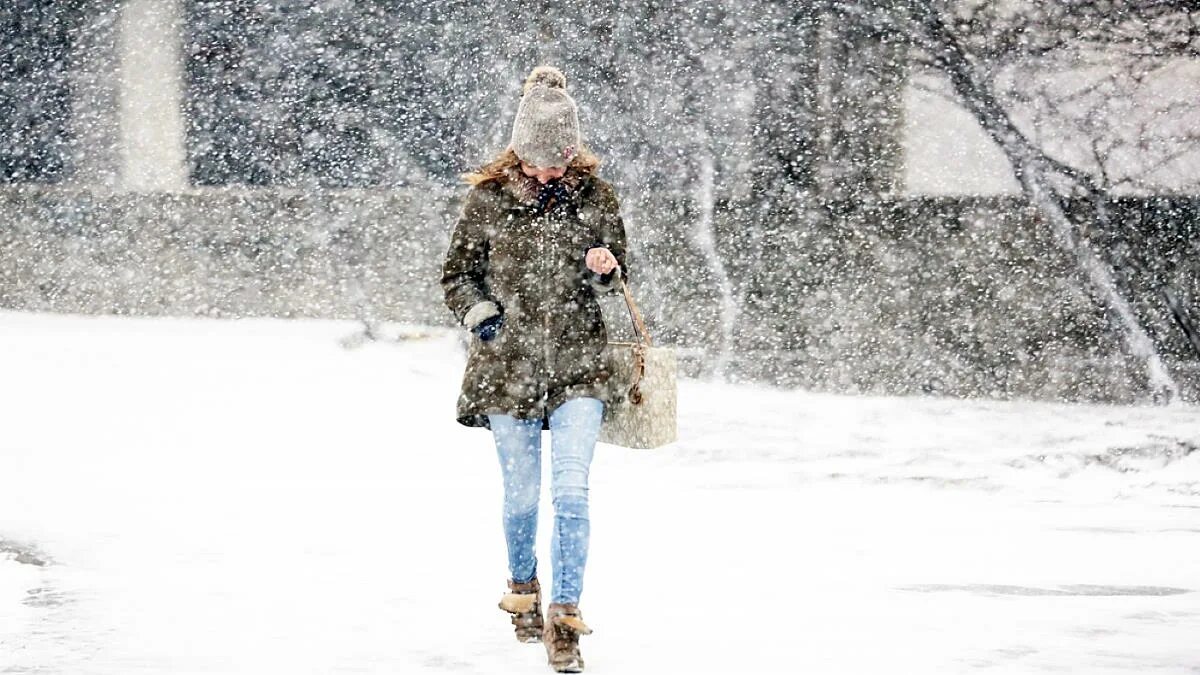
[[600, 260]]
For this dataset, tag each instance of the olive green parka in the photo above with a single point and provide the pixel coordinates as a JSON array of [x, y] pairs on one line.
[[508, 257]]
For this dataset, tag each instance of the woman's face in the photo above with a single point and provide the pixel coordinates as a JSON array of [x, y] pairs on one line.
[[543, 175]]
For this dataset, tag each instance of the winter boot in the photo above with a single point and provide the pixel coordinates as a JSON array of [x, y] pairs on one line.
[[524, 603], [564, 625]]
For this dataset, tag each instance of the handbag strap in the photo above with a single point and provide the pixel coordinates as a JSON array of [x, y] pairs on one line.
[[639, 326], [639, 349]]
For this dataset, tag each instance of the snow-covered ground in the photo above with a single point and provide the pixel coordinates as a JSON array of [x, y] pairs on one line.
[[259, 497]]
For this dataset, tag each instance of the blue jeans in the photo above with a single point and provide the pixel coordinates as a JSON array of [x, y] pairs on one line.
[[574, 428]]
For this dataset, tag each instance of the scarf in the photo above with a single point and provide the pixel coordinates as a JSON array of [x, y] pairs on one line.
[[541, 198], [553, 194]]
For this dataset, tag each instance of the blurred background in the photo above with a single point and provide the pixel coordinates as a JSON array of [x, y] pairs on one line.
[[960, 198]]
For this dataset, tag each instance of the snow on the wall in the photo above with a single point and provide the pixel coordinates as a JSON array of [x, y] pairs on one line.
[[1137, 133], [946, 152]]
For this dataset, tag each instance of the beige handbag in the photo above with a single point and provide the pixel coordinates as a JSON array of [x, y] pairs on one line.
[[643, 410]]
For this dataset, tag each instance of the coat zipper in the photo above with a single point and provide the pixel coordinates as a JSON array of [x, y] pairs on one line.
[[546, 368]]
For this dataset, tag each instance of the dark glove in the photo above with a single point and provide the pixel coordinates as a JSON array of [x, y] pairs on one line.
[[487, 329]]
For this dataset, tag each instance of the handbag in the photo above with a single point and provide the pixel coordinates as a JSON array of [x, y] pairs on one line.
[[642, 410]]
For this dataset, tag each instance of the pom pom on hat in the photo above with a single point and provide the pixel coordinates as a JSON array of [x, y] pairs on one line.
[[547, 75]]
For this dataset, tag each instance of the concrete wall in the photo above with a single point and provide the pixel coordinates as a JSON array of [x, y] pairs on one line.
[[942, 296], [226, 253]]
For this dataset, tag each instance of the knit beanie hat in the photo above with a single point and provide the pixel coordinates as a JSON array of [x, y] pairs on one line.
[[546, 130]]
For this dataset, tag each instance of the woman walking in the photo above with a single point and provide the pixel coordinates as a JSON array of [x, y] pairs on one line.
[[540, 235]]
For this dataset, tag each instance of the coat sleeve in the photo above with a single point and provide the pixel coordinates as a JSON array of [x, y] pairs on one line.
[[464, 270], [611, 233]]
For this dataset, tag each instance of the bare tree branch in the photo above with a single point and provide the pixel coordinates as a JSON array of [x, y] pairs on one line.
[[1037, 174]]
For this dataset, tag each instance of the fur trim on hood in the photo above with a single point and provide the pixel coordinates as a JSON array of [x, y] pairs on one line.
[[526, 188]]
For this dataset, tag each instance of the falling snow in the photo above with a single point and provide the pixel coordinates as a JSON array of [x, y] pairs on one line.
[[971, 211]]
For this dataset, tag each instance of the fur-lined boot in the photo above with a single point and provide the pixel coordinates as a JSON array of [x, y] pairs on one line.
[[524, 603], [564, 625]]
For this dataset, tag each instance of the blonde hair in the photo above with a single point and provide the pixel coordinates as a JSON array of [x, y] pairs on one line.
[[584, 161]]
